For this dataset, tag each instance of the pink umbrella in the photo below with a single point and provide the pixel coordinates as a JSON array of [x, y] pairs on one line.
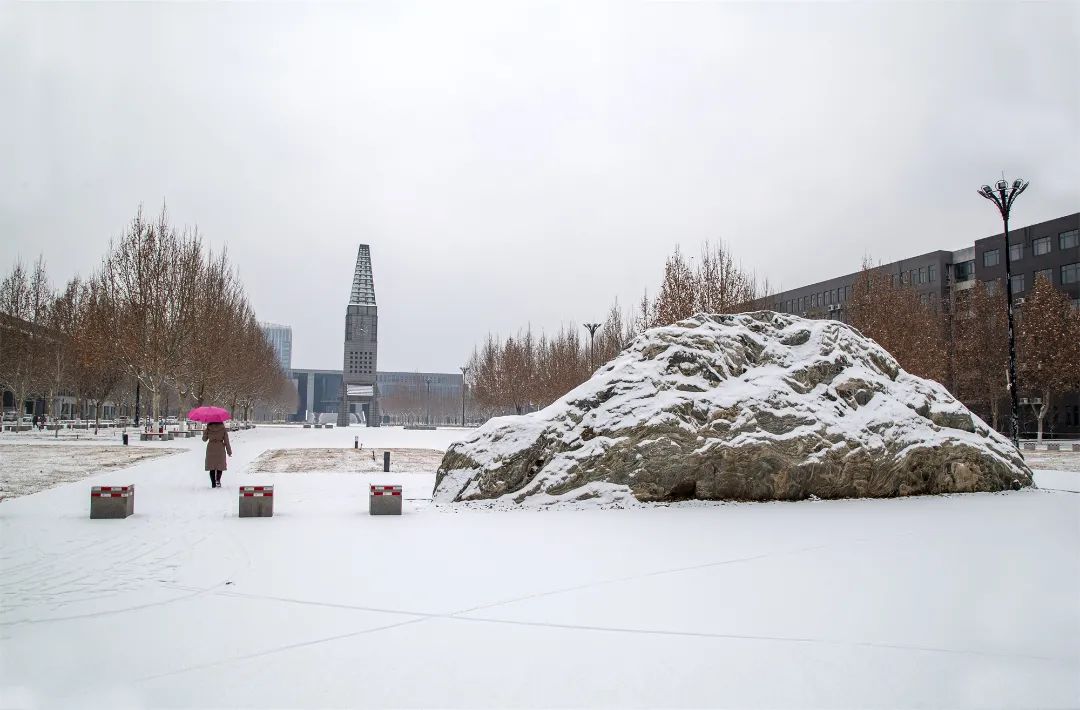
[[208, 415]]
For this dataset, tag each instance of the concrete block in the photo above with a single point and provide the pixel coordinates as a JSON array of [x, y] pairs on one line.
[[307, 426], [1029, 446], [385, 500], [1053, 447], [1076, 447], [112, 501], [256, 501]]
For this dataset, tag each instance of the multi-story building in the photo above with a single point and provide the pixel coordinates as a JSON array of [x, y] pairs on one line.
[[280, 337], [318, 392], [1050, 249], [424, 397], [404, 397], [359, 393]]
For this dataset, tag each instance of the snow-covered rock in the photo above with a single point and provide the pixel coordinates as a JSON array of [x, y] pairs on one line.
[[755, 406]]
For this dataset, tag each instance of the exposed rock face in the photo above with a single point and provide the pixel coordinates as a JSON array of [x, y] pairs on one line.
[[755, 406]]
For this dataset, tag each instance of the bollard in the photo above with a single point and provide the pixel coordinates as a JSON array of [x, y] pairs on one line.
[[1029, 446], [384, 500], [1076, 447], [356, 442], [125, 439], [112, 501], [1053, 447], [256, 501], [386, 461]]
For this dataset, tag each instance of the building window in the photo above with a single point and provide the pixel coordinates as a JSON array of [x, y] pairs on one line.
[[1047, 274], [1070, 273], [932, 271], [964, 271], [992, 257], [1040, 246], [1016, 252], [1069, 240], [1018, 283], [922, 276], [991, 287]]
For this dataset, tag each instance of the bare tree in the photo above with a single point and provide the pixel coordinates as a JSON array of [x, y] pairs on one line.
[[25, 300], [912, 329], [1049, 357], [981, 349]]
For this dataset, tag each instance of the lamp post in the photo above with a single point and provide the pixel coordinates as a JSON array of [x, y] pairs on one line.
[[428, 381], [591, 327], [1004, 197], [464, 371]]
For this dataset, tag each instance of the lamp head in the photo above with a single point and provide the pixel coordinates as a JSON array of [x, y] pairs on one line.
[[1002, 185]]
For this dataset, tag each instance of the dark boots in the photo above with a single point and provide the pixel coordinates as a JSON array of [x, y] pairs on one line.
[[215, 479]]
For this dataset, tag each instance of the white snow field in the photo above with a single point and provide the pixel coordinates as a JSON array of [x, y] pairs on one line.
[[959, 601]]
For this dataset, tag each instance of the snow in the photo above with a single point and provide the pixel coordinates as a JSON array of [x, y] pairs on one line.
[[706, 364], [959, 601], [29, 469]]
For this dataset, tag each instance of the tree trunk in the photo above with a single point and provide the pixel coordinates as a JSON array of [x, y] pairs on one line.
[[1044, 408]]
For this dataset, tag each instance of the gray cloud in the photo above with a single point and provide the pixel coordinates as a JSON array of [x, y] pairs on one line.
[[514, 164]]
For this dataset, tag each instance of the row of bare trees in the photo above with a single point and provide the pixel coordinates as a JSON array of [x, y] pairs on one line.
[[962, 344], [161, 312], [529, 370], [1047, 352]]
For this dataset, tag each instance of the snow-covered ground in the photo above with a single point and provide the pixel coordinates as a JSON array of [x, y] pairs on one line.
[[959, 601], [29, 469]]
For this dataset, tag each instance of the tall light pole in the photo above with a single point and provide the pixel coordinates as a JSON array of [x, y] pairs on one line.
[[1004, 198], [464, 371], [591, 327], [428, 381]]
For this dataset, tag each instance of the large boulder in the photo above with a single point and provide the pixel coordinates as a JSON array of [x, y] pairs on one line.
[[755, 406]]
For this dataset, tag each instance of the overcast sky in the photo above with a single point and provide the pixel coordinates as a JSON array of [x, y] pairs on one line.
[[513, 164]]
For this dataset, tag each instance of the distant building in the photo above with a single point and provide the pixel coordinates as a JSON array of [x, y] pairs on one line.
[[318, 392], [359, 393], [420, 397], [404, 397], [280, 336]]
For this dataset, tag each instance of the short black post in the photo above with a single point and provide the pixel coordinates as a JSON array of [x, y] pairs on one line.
[[356, 442], [125, 439], [386, 461]]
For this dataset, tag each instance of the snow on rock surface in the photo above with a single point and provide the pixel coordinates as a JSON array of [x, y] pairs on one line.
[[754, 406]]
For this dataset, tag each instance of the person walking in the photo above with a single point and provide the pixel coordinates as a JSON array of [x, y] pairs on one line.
[[216, 437]]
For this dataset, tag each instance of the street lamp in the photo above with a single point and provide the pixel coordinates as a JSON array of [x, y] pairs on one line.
[[591, 327], [428, 381], [1004, 197], [464, 371]]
